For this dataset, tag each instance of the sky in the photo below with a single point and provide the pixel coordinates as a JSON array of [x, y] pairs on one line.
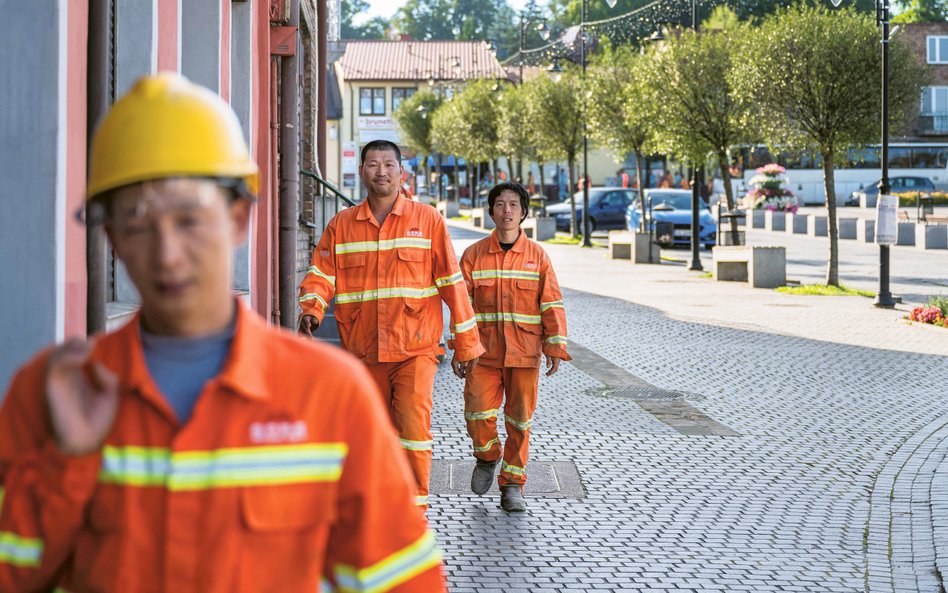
[[387, 8]]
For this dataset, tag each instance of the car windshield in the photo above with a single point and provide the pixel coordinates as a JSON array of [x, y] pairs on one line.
[[675, 201]]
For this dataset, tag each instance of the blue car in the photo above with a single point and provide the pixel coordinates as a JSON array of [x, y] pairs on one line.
[[607, 207], [671, 218]]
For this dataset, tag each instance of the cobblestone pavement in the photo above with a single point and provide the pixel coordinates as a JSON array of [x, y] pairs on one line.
[[818, 462]]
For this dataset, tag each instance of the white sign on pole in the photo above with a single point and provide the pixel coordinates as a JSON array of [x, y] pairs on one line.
[[887, 229], [350, 162]]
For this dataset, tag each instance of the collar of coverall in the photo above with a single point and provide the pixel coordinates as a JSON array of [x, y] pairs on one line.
[[244, 372], [365, 212], [519, 245]]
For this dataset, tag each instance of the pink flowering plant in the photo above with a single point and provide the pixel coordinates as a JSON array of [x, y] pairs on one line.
[[934, 313], [770, 192]]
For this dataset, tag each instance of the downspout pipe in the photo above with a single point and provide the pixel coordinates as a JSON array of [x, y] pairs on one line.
[[289, 176], [322, 24]]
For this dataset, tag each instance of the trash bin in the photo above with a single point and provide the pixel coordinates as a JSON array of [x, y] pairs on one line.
[[924, 206]]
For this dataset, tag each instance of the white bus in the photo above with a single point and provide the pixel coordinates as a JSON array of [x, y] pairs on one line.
[[805, 172]]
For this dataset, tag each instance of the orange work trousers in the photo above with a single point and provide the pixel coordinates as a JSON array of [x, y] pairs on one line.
[[406, 391], [484, 393]]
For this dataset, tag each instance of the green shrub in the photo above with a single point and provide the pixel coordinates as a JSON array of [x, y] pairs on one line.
[[941, 302], [939, 198]]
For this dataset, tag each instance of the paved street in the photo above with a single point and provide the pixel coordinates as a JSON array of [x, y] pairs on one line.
[[725, 439]]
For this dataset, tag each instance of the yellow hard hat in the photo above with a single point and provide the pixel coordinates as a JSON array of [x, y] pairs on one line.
[[167, 126]]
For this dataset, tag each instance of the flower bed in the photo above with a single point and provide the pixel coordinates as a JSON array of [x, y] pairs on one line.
[[769, 191], [935, 313]]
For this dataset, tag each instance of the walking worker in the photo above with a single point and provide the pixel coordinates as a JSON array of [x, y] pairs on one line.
[[389, 262], [520, 316], [196, 449]]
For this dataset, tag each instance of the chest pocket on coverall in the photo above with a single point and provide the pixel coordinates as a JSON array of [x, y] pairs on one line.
[[410, 268], [349, 279]]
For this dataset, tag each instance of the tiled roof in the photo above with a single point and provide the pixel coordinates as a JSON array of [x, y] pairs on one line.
[[417, 60]]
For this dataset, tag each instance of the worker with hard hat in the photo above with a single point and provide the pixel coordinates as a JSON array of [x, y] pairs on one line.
[[520, 317], [196, 449], [389, 264]]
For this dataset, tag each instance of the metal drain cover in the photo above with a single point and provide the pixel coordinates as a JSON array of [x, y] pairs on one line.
[[639, 392], [546, 479]]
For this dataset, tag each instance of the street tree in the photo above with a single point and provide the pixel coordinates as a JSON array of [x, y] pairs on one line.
[[426, 19], [374, 28], [922, 11], [697, 111], [822, 92], [415, 116], [514, 136], [555, 117], [620, 107]]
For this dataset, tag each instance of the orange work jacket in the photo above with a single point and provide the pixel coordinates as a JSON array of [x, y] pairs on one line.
[[517, 302], [287, 477], [389, 282]]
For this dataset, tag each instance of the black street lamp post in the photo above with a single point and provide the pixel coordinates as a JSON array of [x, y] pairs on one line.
[[695, 263], [587, 240]]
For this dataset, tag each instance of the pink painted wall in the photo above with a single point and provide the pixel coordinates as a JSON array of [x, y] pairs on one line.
[[76, 79], [262, 243], [168, 58], [225, 49]]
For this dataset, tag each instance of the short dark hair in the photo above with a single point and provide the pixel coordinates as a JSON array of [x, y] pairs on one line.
[[515, 188], [381, 145]]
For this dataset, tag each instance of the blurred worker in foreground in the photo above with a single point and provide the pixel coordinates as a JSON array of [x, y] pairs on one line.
[[520, 316], [389, 263], [197, 449]]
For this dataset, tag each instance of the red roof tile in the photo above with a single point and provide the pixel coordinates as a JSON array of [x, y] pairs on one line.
[[417, 60]]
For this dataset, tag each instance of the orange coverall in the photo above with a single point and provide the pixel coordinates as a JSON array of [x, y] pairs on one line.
[[287, 477], [388, 282], [519, 312]]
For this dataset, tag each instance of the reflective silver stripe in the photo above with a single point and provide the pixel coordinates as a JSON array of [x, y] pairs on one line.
[[509, 274], [551, 305], [449, 280], [317, 272], [512, 469], [415, 445], [312, 296], [507, 316], [521, 425], [487, 447], [22, 551], [465, 326], [386, 293], [385, 245], [480, 415], [421, 500], [556, 340]]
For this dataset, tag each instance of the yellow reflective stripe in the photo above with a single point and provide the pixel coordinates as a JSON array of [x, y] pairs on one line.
[[507, 316], [421, 500], [2, 492], [520, 425], [512, 469], [449, 280], [398, 568], [386, 293], [487, 447], [416, 445], [509, 274], [312, 296], [384, 245], [551, 305], [22, 551], [556, 340], [317, 272], [480, 415], [222, 468], [465, 326]]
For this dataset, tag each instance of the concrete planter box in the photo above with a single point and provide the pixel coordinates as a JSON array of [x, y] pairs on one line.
[[540, 228], [633, 246], [481, 218], [931, 236], [847, 228], [817, 226], [868, 201], [761, 267], [906, 234], [796, 223], [758, 220], [449, 209], [866, 231], [775, 220]]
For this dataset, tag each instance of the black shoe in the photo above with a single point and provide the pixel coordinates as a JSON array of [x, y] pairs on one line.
[[511, 498], [483, 476]]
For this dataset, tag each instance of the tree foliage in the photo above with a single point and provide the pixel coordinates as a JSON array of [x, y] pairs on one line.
[[467, 125], [459, 20], [514, 134], [922, 11], [823, 92], [414, 117], [374, 28]]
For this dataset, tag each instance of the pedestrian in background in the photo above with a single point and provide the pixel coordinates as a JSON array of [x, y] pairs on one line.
[[519, 310], [389, 263], [197, 449]]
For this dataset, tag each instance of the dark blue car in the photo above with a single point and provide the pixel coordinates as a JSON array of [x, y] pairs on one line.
[[671, 214], [607, 206]]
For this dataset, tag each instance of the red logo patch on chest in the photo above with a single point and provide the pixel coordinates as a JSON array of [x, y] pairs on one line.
[[278, 432], [414, 232], [530, 265]]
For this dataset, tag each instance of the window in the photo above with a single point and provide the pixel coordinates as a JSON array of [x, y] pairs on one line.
[[937, 49], [935, 99], [371, 101], [399, 95]]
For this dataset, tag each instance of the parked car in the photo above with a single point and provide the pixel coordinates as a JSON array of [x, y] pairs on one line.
[[671, 218], [607, 206], [898, 184]]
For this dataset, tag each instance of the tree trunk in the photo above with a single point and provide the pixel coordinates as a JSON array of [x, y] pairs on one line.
[[641, 186], [543, 201], [573, 231], [829, 182], [728, 196]]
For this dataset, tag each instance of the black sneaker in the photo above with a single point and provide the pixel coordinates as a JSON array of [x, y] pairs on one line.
[[511, 498], [483, 476]]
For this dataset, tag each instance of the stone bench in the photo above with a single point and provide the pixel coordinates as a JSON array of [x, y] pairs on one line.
[[796, 223], [633, 246], [761, 267], [817, 226], [866, 231], [931, 236], [775, 220], [449, 209], [480, 218], [539, 229], [847, 228]]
